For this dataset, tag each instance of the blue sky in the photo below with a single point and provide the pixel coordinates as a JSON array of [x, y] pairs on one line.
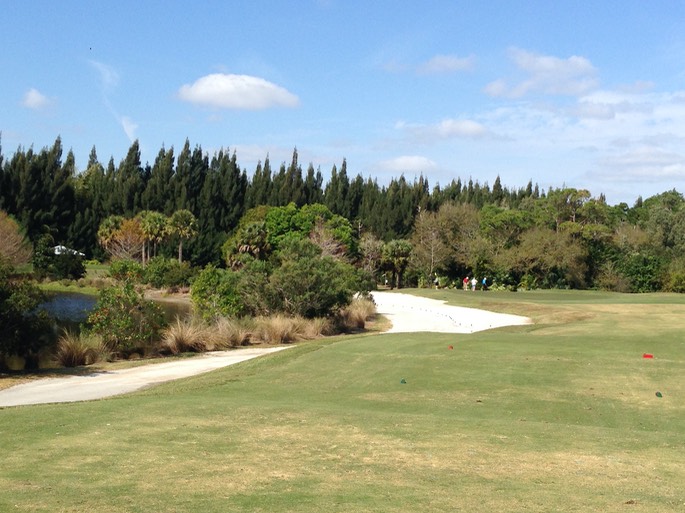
[[584, 94]]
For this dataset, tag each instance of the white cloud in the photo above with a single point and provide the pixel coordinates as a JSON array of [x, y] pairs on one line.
[[546, 74], [35, 100], [237, 92], [407, 164], [447, 64]]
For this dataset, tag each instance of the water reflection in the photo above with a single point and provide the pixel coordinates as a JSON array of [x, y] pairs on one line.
[[74, 307]]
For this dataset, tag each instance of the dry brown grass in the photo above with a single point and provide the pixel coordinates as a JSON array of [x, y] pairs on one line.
[[74, 350], [357, 313], [227, 333], [184, 336], [277, 329]]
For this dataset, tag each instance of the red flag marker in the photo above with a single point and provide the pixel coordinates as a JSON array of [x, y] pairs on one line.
[[647, 355]]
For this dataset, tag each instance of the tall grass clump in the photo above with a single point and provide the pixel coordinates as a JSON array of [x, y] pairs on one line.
[[75, 349], [227, 333], [355, 315], [276, 329], [183, 336], [282, 329]]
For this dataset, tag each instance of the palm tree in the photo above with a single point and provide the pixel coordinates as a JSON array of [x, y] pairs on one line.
[[155, 229], [183, 224], [108, 227]]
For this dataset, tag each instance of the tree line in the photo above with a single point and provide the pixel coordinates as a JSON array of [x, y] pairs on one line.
[[513, 236]]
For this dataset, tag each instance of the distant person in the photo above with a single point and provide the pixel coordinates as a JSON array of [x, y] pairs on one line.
[[466, 283], [474, 282], [485, 283]]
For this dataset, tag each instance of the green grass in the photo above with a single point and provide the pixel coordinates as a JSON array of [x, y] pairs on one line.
[[559, 416]]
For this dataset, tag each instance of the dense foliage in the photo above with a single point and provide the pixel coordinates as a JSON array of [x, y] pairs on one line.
[[205, 209], [126, 321], [24, 331], [292, 275]]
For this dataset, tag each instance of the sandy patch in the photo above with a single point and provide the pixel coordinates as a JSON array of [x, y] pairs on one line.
[[412, 313]]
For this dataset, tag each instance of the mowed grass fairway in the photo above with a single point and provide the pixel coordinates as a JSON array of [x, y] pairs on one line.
[[558, 416]]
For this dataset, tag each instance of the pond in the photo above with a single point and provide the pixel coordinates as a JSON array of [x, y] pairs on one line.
[[74, 307]]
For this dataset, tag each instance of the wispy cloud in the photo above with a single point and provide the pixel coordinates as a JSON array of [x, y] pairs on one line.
[[645, 163], [407, 164], [227, 91], [129, 127], [35, 100], [109, 80], [445, 129], [109, 77], [446, 64], [546, 74]]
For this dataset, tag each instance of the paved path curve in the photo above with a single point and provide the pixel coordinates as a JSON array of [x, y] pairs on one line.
[[109, 383], [406, 312]]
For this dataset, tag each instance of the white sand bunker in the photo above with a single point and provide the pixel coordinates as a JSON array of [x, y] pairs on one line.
[[412, 313]]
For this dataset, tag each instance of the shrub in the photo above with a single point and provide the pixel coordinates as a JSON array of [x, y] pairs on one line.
[[163, 272], [74, 350], [312, 287], [68, 265], [25, 331], [126, 270], [215, 293], [125, 320], [230, 333]]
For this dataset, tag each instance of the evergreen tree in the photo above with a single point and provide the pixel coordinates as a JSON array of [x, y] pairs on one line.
[[294, 186], [259, 189], [497, 192], [182, 177], [355, 195], [128, 183], [313, 192], [278, 196], [159, 194], [63, 198], [336, 191]]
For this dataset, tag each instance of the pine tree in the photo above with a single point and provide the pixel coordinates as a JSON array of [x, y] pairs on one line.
[[158, 195], [497, 192], [182, 177], [129, 183], [259, 189], [312, 186], [294, 186]]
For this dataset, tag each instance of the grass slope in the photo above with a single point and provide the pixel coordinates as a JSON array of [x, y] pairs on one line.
[[559, 416]]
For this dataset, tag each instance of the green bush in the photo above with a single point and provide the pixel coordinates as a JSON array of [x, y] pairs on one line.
[[126, 270], [25, 331], [215, 293], [312, 287], [68, 266], [161, 272], [125, 320]]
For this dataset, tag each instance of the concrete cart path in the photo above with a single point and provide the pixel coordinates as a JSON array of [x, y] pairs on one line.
[[109, 383]]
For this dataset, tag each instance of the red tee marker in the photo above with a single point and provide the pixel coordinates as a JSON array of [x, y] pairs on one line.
[[450, 347], [647, 355]]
